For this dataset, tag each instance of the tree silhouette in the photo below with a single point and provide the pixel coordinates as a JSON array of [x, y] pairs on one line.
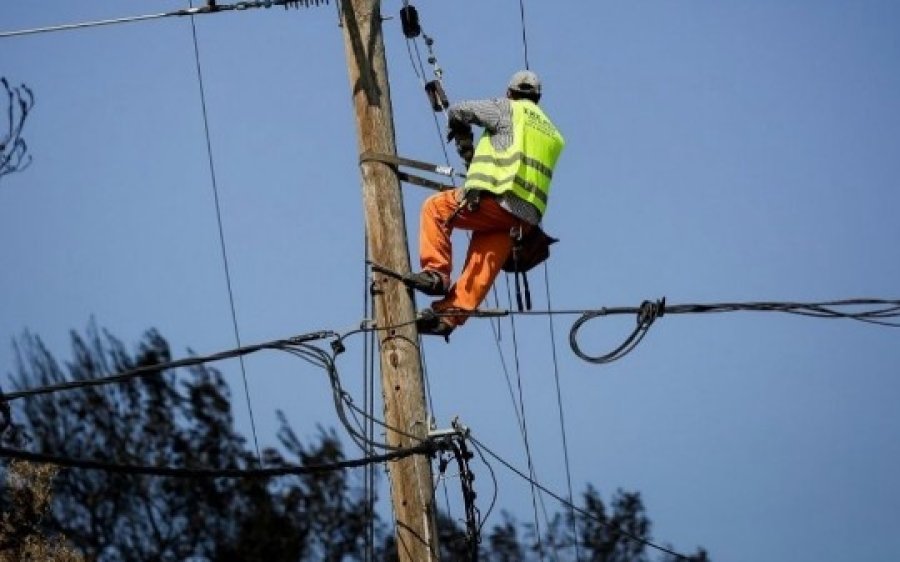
[[14, 155], [183, 418], [176, 419]]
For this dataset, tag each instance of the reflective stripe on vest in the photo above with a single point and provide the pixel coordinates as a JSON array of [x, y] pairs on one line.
[[525, 169]]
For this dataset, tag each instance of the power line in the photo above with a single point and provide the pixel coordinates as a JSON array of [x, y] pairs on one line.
[[424, 448], [215, 190], [574, 507], [868, 310], [368, 383], [157, 369], [649, 311], [523, 427], [827, 309], [562, 420], [210, 8], [297, 346], [82, 25], [524, 33]]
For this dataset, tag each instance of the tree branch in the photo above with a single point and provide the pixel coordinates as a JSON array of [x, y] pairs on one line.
[[14, 155]]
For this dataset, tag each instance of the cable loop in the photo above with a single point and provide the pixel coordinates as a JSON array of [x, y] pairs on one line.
[[647, 313]]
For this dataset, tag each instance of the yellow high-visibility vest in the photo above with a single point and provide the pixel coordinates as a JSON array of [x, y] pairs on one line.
[[525, 169]]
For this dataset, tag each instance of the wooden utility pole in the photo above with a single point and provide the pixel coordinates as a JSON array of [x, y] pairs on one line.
[[401, 372]]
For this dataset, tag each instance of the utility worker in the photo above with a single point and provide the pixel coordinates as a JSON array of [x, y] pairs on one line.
[[506, 188]]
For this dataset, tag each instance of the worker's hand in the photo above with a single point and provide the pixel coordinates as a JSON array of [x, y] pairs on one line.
[[459, 130], [461, 133], [466, 149]]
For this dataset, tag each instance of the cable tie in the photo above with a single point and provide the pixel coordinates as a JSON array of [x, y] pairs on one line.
[[650, 311]]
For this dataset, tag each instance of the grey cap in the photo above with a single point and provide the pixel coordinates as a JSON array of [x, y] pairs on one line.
[[525, 81]]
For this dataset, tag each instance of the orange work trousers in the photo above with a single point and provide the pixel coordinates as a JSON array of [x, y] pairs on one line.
[[490, 246]]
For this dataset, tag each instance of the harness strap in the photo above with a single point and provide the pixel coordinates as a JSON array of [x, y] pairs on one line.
[[516, 234]]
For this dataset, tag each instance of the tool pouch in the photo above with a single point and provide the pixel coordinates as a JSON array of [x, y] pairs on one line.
[[530, 248]]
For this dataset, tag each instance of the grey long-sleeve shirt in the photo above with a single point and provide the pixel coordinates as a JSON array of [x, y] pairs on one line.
[[495, 117]]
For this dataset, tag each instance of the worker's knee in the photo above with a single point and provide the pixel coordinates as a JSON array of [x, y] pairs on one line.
[[440, 204]]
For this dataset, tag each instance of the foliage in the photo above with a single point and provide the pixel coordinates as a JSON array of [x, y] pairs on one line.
[[26, 501], [175, 419]]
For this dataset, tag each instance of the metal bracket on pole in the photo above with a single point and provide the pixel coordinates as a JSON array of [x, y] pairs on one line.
[[456, 429], [396, 161]]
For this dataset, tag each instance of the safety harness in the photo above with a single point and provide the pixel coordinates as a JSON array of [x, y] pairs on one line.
[[531, 246]]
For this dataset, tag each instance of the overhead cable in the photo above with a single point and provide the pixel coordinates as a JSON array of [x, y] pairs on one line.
[[873, 311], [524, 33], [424, 448], [562, 420], [156, 369], [221, 230], [869, 310], [481, 446], [523, 429], [210, 8], [297, 346]]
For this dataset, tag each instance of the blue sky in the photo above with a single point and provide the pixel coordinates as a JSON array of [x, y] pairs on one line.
[[717, 152]]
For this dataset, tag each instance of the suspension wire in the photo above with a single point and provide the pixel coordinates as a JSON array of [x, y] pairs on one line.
[[424, 448], [828, 309], [428, 397], [496, 489], [523, 426], [519, 418], [215, 190], [370, 430], [342, 401], [209, 9], [367, 374], [562, 420], [420, 71], [524, 34], [649, 311], [879, 312], [618, 530], [421, 75], [157, 369], [64, 27]]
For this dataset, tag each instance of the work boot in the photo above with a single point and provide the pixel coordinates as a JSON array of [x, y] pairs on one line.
[[430, 324], [428, 282]]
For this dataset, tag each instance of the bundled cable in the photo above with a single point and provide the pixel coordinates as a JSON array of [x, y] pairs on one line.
[[424, 448], [156, 369], [873, 311]]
